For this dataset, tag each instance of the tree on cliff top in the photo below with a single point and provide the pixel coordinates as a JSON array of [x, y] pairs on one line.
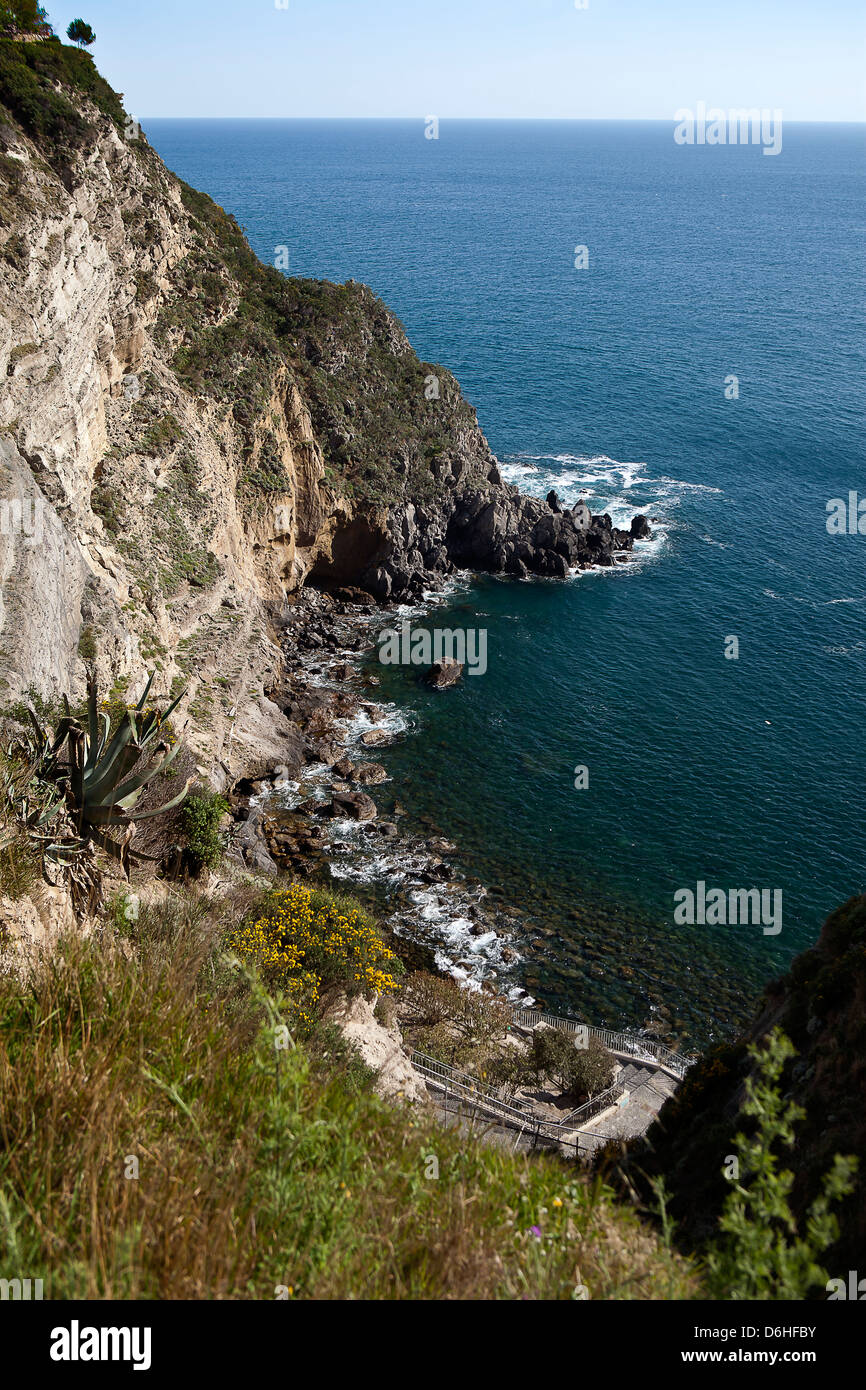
[[80, 33], [24, 17]]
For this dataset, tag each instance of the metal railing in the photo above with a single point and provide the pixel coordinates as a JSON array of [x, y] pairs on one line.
[[470, 1088], [592, 1107], [627, 1044]]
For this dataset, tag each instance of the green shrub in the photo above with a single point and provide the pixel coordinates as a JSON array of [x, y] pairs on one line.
[[759, 1252], [30, 74], [201, 817], [576, 1071], [87, 643]]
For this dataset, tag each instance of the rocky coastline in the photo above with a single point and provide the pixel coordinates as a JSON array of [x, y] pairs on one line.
[[318, 812]]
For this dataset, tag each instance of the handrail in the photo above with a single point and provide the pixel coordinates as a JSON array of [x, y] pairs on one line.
[[593, 1106], [631, 1045], [462, 1081], [450, 1078]]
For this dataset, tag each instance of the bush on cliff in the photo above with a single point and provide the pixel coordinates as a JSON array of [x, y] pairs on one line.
[[24, 17], [577, 1072], [201, 816], [759, 1252], [29, 76], [307, 942]]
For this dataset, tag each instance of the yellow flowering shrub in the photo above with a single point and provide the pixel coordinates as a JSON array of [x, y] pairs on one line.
[[303, 941]]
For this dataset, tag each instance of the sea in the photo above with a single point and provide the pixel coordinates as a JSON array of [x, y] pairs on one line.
[[658, 328]]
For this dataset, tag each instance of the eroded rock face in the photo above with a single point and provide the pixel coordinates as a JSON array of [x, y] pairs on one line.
[[380, 1047], [186, 490], [35, 922]]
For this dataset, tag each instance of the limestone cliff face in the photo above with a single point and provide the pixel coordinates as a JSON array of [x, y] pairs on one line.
[[186, 436]]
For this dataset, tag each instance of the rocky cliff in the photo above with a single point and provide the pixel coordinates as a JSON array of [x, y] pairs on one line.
[[821, 1005], [187, 436]]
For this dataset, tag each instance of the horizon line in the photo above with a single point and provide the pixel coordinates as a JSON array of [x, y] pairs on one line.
[[658, 120]]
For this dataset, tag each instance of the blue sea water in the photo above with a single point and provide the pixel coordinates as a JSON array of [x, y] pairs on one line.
[[609, 382]]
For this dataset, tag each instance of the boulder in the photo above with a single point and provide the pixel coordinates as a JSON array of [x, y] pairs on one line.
[[443, 674], [369, 774], [354, 806]]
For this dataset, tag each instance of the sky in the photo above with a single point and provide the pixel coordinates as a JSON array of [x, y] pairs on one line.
[[479, 58]]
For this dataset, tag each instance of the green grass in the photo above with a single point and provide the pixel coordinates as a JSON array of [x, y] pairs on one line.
[[259, 1169]]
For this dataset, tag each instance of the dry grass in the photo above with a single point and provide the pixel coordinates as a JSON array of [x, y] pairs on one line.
[[256, 1168]]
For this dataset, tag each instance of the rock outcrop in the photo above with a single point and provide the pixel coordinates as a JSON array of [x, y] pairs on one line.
[[187, 436], [379, 1046], [443, 674]]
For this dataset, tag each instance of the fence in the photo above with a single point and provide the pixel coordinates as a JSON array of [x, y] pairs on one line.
[[466, 1087], [627, 1044]]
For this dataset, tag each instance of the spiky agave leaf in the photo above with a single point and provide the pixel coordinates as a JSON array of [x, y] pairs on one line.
[[98, 778]]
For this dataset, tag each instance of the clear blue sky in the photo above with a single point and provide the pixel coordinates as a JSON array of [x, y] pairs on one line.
[[541, 58]]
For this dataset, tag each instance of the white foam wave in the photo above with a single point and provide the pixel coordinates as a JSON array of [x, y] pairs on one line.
[[620, 489]]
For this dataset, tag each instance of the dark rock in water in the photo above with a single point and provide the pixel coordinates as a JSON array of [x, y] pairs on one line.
[[369, 774], [387, 829], [439, 845], [640, 529], [436, 873], [354, 806], [352, 595], [443, 674], [344, 768], [374, 738], [477, 521]]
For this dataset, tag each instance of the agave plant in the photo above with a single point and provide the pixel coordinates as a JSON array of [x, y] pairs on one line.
[[95, 770], [34, 821]]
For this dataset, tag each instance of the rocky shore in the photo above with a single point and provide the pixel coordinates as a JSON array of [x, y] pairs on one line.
[[497, 529], [320, 812], [321, 815]]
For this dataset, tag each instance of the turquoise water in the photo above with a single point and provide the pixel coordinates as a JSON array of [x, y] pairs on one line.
[[609, 383]]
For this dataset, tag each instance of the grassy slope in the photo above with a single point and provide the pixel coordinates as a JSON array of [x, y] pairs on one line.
[[157, 1048]]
